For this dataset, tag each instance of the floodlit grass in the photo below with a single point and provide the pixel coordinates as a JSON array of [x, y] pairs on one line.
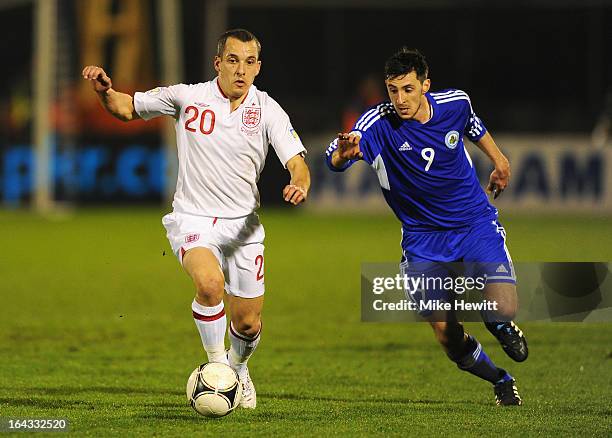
[[96, 327]]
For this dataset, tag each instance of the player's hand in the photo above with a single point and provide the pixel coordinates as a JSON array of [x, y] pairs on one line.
[[98, 77], [348, 146], [294, 194], [498, 181]]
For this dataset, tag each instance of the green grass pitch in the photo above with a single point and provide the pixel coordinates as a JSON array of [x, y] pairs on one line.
[[95, 326]]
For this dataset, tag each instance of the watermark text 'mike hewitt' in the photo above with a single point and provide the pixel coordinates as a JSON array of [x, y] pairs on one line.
[[434, 305]]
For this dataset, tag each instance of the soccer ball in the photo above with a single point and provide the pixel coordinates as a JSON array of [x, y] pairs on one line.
[[213, 389]]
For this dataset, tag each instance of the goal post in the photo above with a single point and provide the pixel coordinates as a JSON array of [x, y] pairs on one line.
[[45, 36]]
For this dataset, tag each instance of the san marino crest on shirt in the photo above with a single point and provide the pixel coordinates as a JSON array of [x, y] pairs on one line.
[[452, 139], [251, 116]]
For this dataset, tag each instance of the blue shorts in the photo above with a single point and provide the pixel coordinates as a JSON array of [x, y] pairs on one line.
[[478, 252]]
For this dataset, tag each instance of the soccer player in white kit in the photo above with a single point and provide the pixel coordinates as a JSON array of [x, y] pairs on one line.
[[223, 128]]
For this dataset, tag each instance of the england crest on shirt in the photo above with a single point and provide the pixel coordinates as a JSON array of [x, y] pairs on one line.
[[251, 116]]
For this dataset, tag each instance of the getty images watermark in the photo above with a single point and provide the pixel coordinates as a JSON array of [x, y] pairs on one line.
[[570, 291], [417, 287]]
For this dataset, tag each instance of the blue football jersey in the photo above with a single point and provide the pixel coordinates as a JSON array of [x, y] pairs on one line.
[[424, 170]]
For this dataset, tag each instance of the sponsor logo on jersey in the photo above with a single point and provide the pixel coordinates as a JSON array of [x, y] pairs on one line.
[[251, 116], [192, 238], [202, 104], [452, 139], [405, 147]]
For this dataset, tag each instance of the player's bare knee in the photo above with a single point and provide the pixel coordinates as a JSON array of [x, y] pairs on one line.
[[506, 312], [209, 288], [248, 325]]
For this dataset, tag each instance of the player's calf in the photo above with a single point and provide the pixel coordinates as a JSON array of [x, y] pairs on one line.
[[450, 335]]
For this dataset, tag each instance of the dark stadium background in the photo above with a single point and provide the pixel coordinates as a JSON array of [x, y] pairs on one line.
[[529, 67], [95, 318]]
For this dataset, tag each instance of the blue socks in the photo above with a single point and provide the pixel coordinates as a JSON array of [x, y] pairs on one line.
[[476, 361]]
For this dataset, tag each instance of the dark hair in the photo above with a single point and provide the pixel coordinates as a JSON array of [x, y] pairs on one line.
[[405, 61], [240, 34]]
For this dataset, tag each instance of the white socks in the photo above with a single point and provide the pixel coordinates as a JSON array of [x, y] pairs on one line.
[[241, 349], [211, 323]]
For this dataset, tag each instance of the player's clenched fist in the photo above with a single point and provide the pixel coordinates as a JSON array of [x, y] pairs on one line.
[[294, 194], [98, 77], [498, 181], [348, 146]]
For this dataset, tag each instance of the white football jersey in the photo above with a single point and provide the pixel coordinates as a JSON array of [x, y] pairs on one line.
[[220, 153]]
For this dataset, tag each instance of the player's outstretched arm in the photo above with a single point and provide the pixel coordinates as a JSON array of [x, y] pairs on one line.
[[500, 177], [118, 104], [348, 149], [297, 190]]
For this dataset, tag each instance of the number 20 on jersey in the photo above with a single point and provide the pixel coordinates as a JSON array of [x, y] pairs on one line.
[[207, 120]]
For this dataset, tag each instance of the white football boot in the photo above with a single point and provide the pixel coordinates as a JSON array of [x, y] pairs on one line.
[[249, 396]]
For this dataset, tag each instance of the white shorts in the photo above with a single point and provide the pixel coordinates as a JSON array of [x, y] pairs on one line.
[[237, 244]]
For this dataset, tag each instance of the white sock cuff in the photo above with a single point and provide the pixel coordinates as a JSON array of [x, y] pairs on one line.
[[207, 311], [233, 332]]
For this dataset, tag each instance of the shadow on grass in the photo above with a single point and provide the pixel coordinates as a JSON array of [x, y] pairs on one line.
[[395, 400], [188, 415], [389, 346], [46, 404], [71, 390], [180, 411]]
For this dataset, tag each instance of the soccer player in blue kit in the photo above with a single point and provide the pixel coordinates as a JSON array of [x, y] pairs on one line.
[[414, 143]]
